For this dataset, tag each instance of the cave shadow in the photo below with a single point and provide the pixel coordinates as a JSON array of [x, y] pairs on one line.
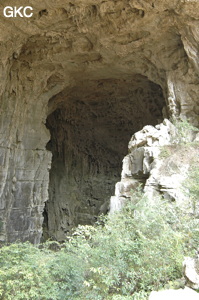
[[90, 129]]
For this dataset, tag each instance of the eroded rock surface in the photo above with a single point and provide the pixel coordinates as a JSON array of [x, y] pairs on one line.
[[86, 69], [160, 164]]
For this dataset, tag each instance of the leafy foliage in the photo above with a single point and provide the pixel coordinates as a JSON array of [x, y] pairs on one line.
[[190, 224], [184, 131], [23, 273], [122, 257], [192, 183]]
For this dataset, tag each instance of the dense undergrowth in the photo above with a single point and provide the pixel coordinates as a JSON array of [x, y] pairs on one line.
[[122, 257]]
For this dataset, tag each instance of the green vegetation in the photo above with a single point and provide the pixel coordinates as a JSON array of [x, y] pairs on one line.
[[191, 186], [193, 182], [184, 131], [165, 152], [122, 257]]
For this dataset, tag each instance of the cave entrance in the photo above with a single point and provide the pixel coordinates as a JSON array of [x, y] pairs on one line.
[[90, 128]]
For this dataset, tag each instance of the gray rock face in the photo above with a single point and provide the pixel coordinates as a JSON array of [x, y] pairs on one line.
[[159, 164], [94, 72]]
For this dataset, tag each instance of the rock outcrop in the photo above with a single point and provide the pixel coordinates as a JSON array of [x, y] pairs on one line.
[[76, 81], [191, 272], [184, 294], [158, 163]]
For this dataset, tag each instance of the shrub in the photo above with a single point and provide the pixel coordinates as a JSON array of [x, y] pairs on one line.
[[124, 256], [23, 273], [135, 250], [192, 183], [184, 131], [190, 223]]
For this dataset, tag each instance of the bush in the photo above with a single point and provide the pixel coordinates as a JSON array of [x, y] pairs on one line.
[[23, 273], [124, 256], [192, 184], [184, 131], [191, 219], [135, 250], [27, 272]]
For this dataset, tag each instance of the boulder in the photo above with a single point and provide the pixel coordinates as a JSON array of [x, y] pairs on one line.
[[181, 294], [191, 266]]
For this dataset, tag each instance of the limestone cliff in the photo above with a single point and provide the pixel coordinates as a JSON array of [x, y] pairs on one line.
[[77, 80], [161, 163]]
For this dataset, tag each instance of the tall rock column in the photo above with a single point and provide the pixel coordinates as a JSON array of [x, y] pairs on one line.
[[24, 162]]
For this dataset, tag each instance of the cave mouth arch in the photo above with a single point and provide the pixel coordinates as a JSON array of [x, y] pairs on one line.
[[90, 128]]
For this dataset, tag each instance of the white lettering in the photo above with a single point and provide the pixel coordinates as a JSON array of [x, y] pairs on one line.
[[8, 12], [17, 11], [24, 11], [13, 12]]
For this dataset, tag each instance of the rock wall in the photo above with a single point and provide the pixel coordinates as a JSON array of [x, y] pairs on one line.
[[160, 164], [57, 56]]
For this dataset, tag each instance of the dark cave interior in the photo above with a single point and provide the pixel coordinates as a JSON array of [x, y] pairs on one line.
[[90, 128]]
